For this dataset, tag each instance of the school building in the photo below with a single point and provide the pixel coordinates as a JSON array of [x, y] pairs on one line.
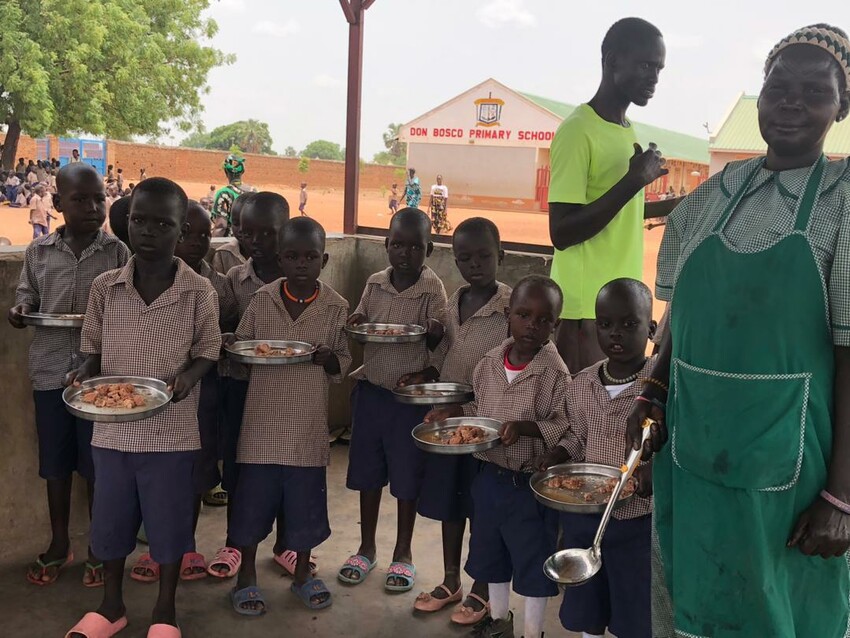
[[738, 136], [491, 145]]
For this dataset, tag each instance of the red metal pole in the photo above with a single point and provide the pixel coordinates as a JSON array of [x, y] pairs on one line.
[[352, 122]]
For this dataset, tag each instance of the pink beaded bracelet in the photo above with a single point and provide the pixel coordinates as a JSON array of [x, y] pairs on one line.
[[841, 506]]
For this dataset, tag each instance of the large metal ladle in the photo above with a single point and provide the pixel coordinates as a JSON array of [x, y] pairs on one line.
[[576, 566]]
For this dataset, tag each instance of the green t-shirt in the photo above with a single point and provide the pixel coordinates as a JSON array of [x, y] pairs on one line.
[[588, 156]]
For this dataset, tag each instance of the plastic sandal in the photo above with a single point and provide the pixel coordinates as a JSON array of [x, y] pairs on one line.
[[93, 575], [143, 565], [228, 557], [464, 615], [405, 571], [161, 630], [306, 592], [428, 602], [93, 625], [45, 578], [361, 565], [252, 594], [190, 562], [216, 497], [289, 559]]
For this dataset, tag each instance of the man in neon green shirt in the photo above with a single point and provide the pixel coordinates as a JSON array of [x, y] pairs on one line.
[[596, 200]]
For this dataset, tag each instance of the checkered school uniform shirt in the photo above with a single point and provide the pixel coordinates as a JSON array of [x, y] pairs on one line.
[[159, 340], [767, 213], [53, 280], [537, 394], [464, 345], [227, 316], [384, 365], [243, 282], [597, 431], [286, 410], [227, 256]]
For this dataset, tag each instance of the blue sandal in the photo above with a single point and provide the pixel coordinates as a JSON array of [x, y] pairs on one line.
[[406, 572], [360, 565], [251, 594], [306, 592]]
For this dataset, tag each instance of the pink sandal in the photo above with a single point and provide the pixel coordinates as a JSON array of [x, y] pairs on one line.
[[191, 562], [427, 602], [143, 565], [161, 630], [93, 625], [289, 559], [228, 557], [467, 615]]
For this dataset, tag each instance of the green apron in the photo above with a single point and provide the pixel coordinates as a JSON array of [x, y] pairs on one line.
[[750, 417]]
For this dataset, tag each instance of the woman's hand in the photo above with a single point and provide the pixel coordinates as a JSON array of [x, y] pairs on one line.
[[642, 410], [822, 531]]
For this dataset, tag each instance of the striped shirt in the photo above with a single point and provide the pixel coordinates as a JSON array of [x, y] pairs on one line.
[[227, 256], [597, 431], [286, 410], [227, 317], [53, 280], [464, 344], [158, 340], [244, 282], [385, 364], [537, 394]]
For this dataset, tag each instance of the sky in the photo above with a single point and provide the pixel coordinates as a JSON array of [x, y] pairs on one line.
[[291, 58]]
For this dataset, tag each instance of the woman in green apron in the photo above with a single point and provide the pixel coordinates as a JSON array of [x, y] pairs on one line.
[[752, 472]]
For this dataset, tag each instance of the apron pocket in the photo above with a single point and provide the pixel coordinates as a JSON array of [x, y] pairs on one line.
[[743, 431]]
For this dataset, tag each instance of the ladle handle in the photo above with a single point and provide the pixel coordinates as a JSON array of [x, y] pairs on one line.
[[627, 470]]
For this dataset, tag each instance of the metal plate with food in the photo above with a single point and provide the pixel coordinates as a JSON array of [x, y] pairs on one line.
[[52, 320], [434, 393], [386, 332], [580, 488], [458, 435], [270, 353], [117, 399]]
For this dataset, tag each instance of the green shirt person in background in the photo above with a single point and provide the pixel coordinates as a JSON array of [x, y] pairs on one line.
[[599, 171]]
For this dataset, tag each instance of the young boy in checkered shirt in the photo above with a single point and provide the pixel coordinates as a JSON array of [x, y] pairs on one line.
[[598, 405], [234, 252], [523, 384], [283, 445], [262, 216], [475, 323], [382, 450], [56, 278], [157, 318]]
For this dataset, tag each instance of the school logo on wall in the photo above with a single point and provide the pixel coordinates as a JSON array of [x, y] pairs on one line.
[[489, 111]]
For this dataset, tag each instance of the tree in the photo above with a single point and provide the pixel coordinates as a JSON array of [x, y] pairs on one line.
[[251, 136], [303, 165], [396, 153], [107, 67], [290, 151], [322, 149]]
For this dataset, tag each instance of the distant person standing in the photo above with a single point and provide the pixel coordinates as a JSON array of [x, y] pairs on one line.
[[119, 179], [75, 157], [39, 216], [412, 190], [596, 198], [302, 199], [393, 204], [21, 166], [438, 203], [143, 175]]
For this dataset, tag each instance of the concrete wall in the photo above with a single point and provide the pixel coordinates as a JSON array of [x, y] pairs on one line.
[[23, 509]]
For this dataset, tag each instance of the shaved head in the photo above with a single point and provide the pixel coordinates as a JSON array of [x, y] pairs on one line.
[[74, 172]]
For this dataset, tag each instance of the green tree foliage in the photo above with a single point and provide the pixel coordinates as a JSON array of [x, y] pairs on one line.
[[323, 149], [251, 136], [107, 67], [396, 153], [290, 151], [303, 165]]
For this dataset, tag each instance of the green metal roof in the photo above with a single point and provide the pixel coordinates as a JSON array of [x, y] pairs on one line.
[[673, 145], [740, 131]]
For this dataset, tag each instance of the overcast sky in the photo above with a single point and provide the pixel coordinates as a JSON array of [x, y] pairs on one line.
[[291, 57]]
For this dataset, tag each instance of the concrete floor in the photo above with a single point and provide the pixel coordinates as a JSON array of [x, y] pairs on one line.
[[204, 608]]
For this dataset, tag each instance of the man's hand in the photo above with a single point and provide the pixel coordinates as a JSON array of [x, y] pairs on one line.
[[227, 339], [634, 429], [356, 319], [182, 385], [77, 376], [512, 430], [555, 456], [16, 315], [821, 531], [443, 413], [643, 478], [647, 166]]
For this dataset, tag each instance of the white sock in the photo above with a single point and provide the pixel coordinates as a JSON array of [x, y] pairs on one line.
[[500, 600], [587, 635], [535, 609]]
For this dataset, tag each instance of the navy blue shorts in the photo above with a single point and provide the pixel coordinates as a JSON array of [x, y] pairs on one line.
[[447, 489], [206, 475], [512, 534], [381, 449], [618, 597], [234, 407], [64, 441], [300, 494], [154, 487]]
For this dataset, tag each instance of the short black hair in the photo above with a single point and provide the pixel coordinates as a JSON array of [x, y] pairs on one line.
[[302, 227], [163, 187], [74, 171], [408, 217], [629, 287], [119, 218], [479, 226], [196, 205], [625, 33], [270, 203], [541, 282], [239, 204]]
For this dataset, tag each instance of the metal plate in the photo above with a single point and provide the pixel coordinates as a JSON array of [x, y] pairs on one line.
[[423, 435], [243, 352], [558, 499], [47, 320], [156, 393], [411, 333], [434, 394]]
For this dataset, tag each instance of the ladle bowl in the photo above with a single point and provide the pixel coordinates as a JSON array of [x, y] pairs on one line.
[[573, 566]]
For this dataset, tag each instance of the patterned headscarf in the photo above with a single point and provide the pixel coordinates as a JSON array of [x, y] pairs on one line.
[[831, 39]]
